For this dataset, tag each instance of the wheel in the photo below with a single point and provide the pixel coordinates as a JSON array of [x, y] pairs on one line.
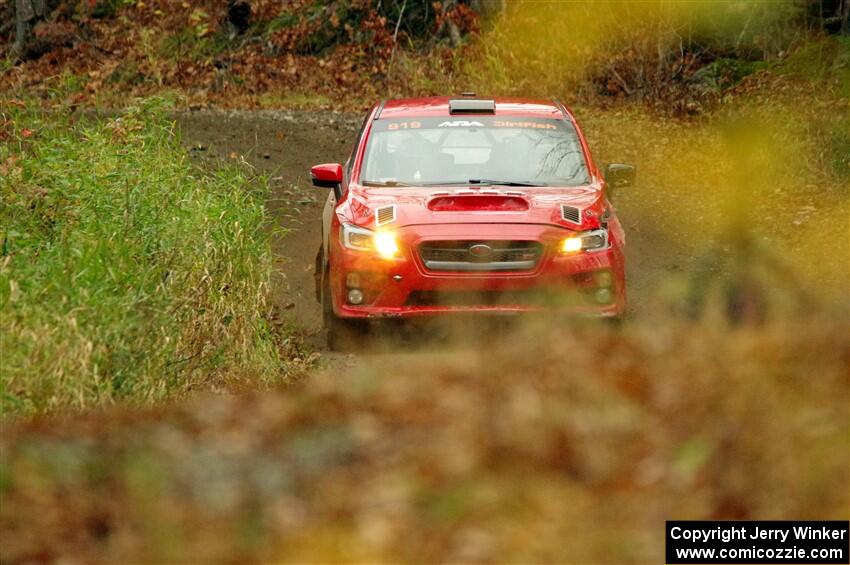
[[342, 334]]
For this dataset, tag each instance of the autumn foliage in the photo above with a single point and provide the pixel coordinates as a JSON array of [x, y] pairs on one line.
[[545, 440], [543, 447], [214, 52], [678, 58]]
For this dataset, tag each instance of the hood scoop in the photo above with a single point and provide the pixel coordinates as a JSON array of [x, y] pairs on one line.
[[478, 203]]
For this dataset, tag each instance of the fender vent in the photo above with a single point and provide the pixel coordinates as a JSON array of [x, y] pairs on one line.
[[571, 213], [384, 215]]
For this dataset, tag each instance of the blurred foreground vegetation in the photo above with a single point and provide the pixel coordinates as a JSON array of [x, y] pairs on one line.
[[126, 272], [558, 443]]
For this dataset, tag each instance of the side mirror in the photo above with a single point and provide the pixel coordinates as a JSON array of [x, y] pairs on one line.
[[327, 176], [618, 175]]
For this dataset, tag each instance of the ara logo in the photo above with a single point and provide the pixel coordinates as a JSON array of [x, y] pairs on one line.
[[461, 124]]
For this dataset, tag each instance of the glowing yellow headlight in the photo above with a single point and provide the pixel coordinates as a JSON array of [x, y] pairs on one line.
[[385, 244], [571, 245]]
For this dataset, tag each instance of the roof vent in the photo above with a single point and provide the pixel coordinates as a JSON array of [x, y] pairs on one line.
[[471, 106]]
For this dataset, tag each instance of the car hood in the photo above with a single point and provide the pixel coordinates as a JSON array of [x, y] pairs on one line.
[[377, 207]]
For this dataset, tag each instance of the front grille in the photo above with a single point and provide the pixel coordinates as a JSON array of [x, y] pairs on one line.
[[463, 255]]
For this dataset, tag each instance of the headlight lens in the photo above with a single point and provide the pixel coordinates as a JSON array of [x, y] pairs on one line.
[[359, 239], [586, 241], [571, 245], [386, 244]]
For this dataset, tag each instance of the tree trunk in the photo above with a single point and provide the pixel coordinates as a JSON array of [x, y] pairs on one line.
[[28, 13]]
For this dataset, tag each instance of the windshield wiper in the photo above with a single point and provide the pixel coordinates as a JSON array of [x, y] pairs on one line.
[[485, 182], [385, 183], [506, 182]]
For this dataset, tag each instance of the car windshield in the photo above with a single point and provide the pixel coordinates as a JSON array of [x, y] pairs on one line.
[[473, 150]]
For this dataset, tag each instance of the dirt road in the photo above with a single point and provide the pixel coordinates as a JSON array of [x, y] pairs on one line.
[[282, 145]]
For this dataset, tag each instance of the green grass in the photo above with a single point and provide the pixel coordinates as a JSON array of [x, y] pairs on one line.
[[187, 44], [285, 20], [822, 61], [126, 272], [6, 63]]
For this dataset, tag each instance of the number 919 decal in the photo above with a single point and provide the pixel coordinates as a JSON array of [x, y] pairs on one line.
[[404, 125]]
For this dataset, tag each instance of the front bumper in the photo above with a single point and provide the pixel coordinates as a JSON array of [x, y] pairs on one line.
[[404, 287]]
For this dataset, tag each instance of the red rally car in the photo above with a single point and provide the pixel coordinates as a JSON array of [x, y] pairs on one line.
[[466, 204]]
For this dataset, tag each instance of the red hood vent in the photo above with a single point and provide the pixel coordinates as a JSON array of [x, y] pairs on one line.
[[478, 203]]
